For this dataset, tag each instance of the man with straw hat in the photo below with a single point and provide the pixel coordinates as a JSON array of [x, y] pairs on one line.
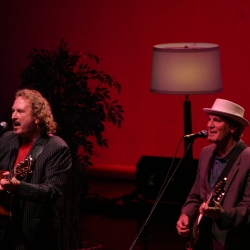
[[216, 214]]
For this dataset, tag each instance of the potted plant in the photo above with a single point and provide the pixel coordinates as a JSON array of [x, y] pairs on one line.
[[80, 97]]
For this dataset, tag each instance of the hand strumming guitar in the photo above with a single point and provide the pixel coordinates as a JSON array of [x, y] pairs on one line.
[[214, 212], [182, 225], [7, 185]]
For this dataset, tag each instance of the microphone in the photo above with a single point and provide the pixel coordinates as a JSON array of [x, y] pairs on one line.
[[3, 125], [202, 134]]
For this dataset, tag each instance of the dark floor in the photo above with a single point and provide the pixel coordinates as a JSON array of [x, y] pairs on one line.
[[114, 214]]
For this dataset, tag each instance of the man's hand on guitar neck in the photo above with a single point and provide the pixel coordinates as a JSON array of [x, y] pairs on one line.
[[214, 212], [7, 185]]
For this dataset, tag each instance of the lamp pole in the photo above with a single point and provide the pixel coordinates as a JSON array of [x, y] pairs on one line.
[[188, 170], [188, 127]]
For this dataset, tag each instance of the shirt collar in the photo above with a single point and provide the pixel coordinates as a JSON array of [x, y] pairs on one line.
[[228, 155]]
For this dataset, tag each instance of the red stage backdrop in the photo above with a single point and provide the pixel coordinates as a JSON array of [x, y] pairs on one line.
[[122, 34]]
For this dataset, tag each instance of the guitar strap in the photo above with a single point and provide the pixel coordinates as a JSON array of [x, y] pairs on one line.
[[36, 152], [38, 149], [237, 151]]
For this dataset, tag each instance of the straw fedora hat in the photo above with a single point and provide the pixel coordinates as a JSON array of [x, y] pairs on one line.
[[228, 109]]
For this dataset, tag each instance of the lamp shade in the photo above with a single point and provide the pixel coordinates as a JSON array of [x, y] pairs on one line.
[[186, 68]]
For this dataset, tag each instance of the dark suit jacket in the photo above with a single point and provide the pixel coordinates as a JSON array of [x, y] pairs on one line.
[[236, 201], [36, 205]]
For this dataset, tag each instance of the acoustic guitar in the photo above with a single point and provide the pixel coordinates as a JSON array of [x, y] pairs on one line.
[[197, 232], [22, 169]]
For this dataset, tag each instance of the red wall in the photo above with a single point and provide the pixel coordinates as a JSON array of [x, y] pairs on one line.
[[122, 33]]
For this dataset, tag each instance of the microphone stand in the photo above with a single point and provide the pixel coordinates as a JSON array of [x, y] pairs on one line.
[[159, 196]]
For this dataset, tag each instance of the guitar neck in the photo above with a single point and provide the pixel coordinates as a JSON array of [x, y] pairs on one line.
[[21, 169], [209, 199]]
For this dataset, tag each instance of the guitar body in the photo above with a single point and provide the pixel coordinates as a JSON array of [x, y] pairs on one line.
[[22, 169], [201, 236], [201, 233], [5, 200]]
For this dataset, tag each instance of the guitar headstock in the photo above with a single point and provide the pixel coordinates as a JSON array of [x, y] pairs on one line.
[[23, 168], [219, 189]]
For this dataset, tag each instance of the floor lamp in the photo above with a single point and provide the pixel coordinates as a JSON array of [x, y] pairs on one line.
[[185, 69]]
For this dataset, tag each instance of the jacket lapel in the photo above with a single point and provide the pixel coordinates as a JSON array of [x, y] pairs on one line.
[[14, 146]]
